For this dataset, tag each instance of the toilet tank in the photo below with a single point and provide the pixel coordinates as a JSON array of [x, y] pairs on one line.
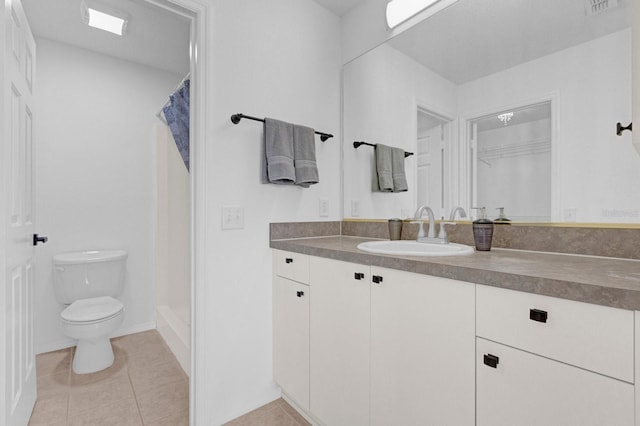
[[85, 274]]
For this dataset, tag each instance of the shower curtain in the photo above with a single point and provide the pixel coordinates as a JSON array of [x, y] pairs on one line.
[[176, 112]]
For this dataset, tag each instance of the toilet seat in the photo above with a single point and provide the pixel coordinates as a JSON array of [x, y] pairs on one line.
[[95, 309]]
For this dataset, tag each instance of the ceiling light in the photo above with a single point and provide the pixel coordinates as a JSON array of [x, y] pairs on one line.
[[399, 11], [505, 118], [103, 17]]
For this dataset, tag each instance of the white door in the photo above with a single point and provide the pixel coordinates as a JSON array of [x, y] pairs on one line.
[[18, 377]]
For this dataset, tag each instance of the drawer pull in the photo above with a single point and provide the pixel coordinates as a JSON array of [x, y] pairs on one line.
[[491, 360], [288, 260], [358, 275], [537, 315], [300, 293], [376, 279]]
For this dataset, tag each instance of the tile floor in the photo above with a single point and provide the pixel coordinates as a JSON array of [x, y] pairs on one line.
[[144, 386], [276, 413]]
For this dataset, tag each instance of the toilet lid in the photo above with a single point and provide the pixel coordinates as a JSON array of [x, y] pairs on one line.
[[92, 309]]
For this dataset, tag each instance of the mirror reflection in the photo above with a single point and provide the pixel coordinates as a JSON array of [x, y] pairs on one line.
[[561, 70]]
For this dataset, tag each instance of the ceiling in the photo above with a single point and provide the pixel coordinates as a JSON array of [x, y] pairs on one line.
[[155, 37], [475, 38], [339, 7]]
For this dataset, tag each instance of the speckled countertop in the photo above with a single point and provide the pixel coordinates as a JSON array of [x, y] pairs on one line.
[[599, 280]]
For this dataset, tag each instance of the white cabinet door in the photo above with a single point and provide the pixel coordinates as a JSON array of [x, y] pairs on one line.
[[291, 339], [422, 350], [525, 389], [339, 359]]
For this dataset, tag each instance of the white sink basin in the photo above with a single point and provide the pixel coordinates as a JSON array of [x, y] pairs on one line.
[[414, 248]]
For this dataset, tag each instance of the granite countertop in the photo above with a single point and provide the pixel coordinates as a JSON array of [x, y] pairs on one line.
[[600, 280]]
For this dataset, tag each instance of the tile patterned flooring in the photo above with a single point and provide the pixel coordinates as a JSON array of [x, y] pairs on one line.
[[276, 413], [144, 386]]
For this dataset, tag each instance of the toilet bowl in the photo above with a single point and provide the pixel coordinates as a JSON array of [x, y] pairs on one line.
[[87, 283], [91, 321]]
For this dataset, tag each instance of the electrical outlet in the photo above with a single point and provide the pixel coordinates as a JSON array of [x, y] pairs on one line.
[[232, 217], [570, 215], [323, 207], [355, 208]]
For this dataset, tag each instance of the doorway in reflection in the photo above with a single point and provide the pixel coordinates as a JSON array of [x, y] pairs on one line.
[[511, 162], [434, 153]]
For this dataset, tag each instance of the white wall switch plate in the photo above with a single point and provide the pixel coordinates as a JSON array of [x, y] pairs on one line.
[[323, 207], [355, 208], [232, 217]]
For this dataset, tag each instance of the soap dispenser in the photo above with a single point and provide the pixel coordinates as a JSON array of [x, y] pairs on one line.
[[482, 230], [501, 217]]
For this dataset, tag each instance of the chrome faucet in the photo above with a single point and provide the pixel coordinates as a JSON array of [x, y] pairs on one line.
[[432, 223], [452, 216], [442, 237]]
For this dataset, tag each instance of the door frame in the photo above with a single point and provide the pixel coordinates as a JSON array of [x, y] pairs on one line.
[[467, 181], [450, 160], [201, 19]]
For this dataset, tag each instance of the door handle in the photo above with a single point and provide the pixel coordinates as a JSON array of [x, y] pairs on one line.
[[491, 360], [38, 239], [538, 315]]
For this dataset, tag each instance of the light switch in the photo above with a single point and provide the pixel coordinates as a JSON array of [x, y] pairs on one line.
[[232, 217]]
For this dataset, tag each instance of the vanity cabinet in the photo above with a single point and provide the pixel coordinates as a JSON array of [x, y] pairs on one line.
[[358, 345], [544, 360], [390, 347], [422, 345], [291, 325], [340, 315]]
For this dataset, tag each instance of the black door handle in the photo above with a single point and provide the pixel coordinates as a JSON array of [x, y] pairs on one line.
[[376, 279], [38, 239], [538, 315], [300, 293], [491, 360], [358, 275], [288, 260]]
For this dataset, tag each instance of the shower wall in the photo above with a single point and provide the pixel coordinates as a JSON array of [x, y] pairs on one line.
[[172, 246]]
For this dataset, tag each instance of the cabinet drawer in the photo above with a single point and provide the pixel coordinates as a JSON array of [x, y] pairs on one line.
[[294, 266], [518, 388], [597, 338]]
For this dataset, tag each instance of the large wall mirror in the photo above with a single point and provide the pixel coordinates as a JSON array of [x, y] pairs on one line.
[[505, 104]]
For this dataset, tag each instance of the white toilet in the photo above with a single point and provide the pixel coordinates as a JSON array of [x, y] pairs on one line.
[[88, 283]]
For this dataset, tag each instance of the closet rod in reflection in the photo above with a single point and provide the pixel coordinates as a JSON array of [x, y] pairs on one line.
[[357, 145], [235, 119]]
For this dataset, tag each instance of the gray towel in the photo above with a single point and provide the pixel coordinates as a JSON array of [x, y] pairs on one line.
[[399, 177], [384, 168], [304, 150], [278, 166]]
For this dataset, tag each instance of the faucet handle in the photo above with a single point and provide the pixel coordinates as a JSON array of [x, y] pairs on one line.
[[421, 228], [443, 231]]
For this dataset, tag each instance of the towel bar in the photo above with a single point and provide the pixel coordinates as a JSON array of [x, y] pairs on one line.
[[235, 119], [357, 145]]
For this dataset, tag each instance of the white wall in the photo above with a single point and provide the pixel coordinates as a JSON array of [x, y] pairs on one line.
[[279, 59], [94, 167], [592, 98], [381, 91]]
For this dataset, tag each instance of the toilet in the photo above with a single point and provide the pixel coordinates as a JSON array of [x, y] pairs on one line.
[[87, 283]]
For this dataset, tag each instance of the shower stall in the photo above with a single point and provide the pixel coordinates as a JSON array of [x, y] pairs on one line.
[[173, 257]]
